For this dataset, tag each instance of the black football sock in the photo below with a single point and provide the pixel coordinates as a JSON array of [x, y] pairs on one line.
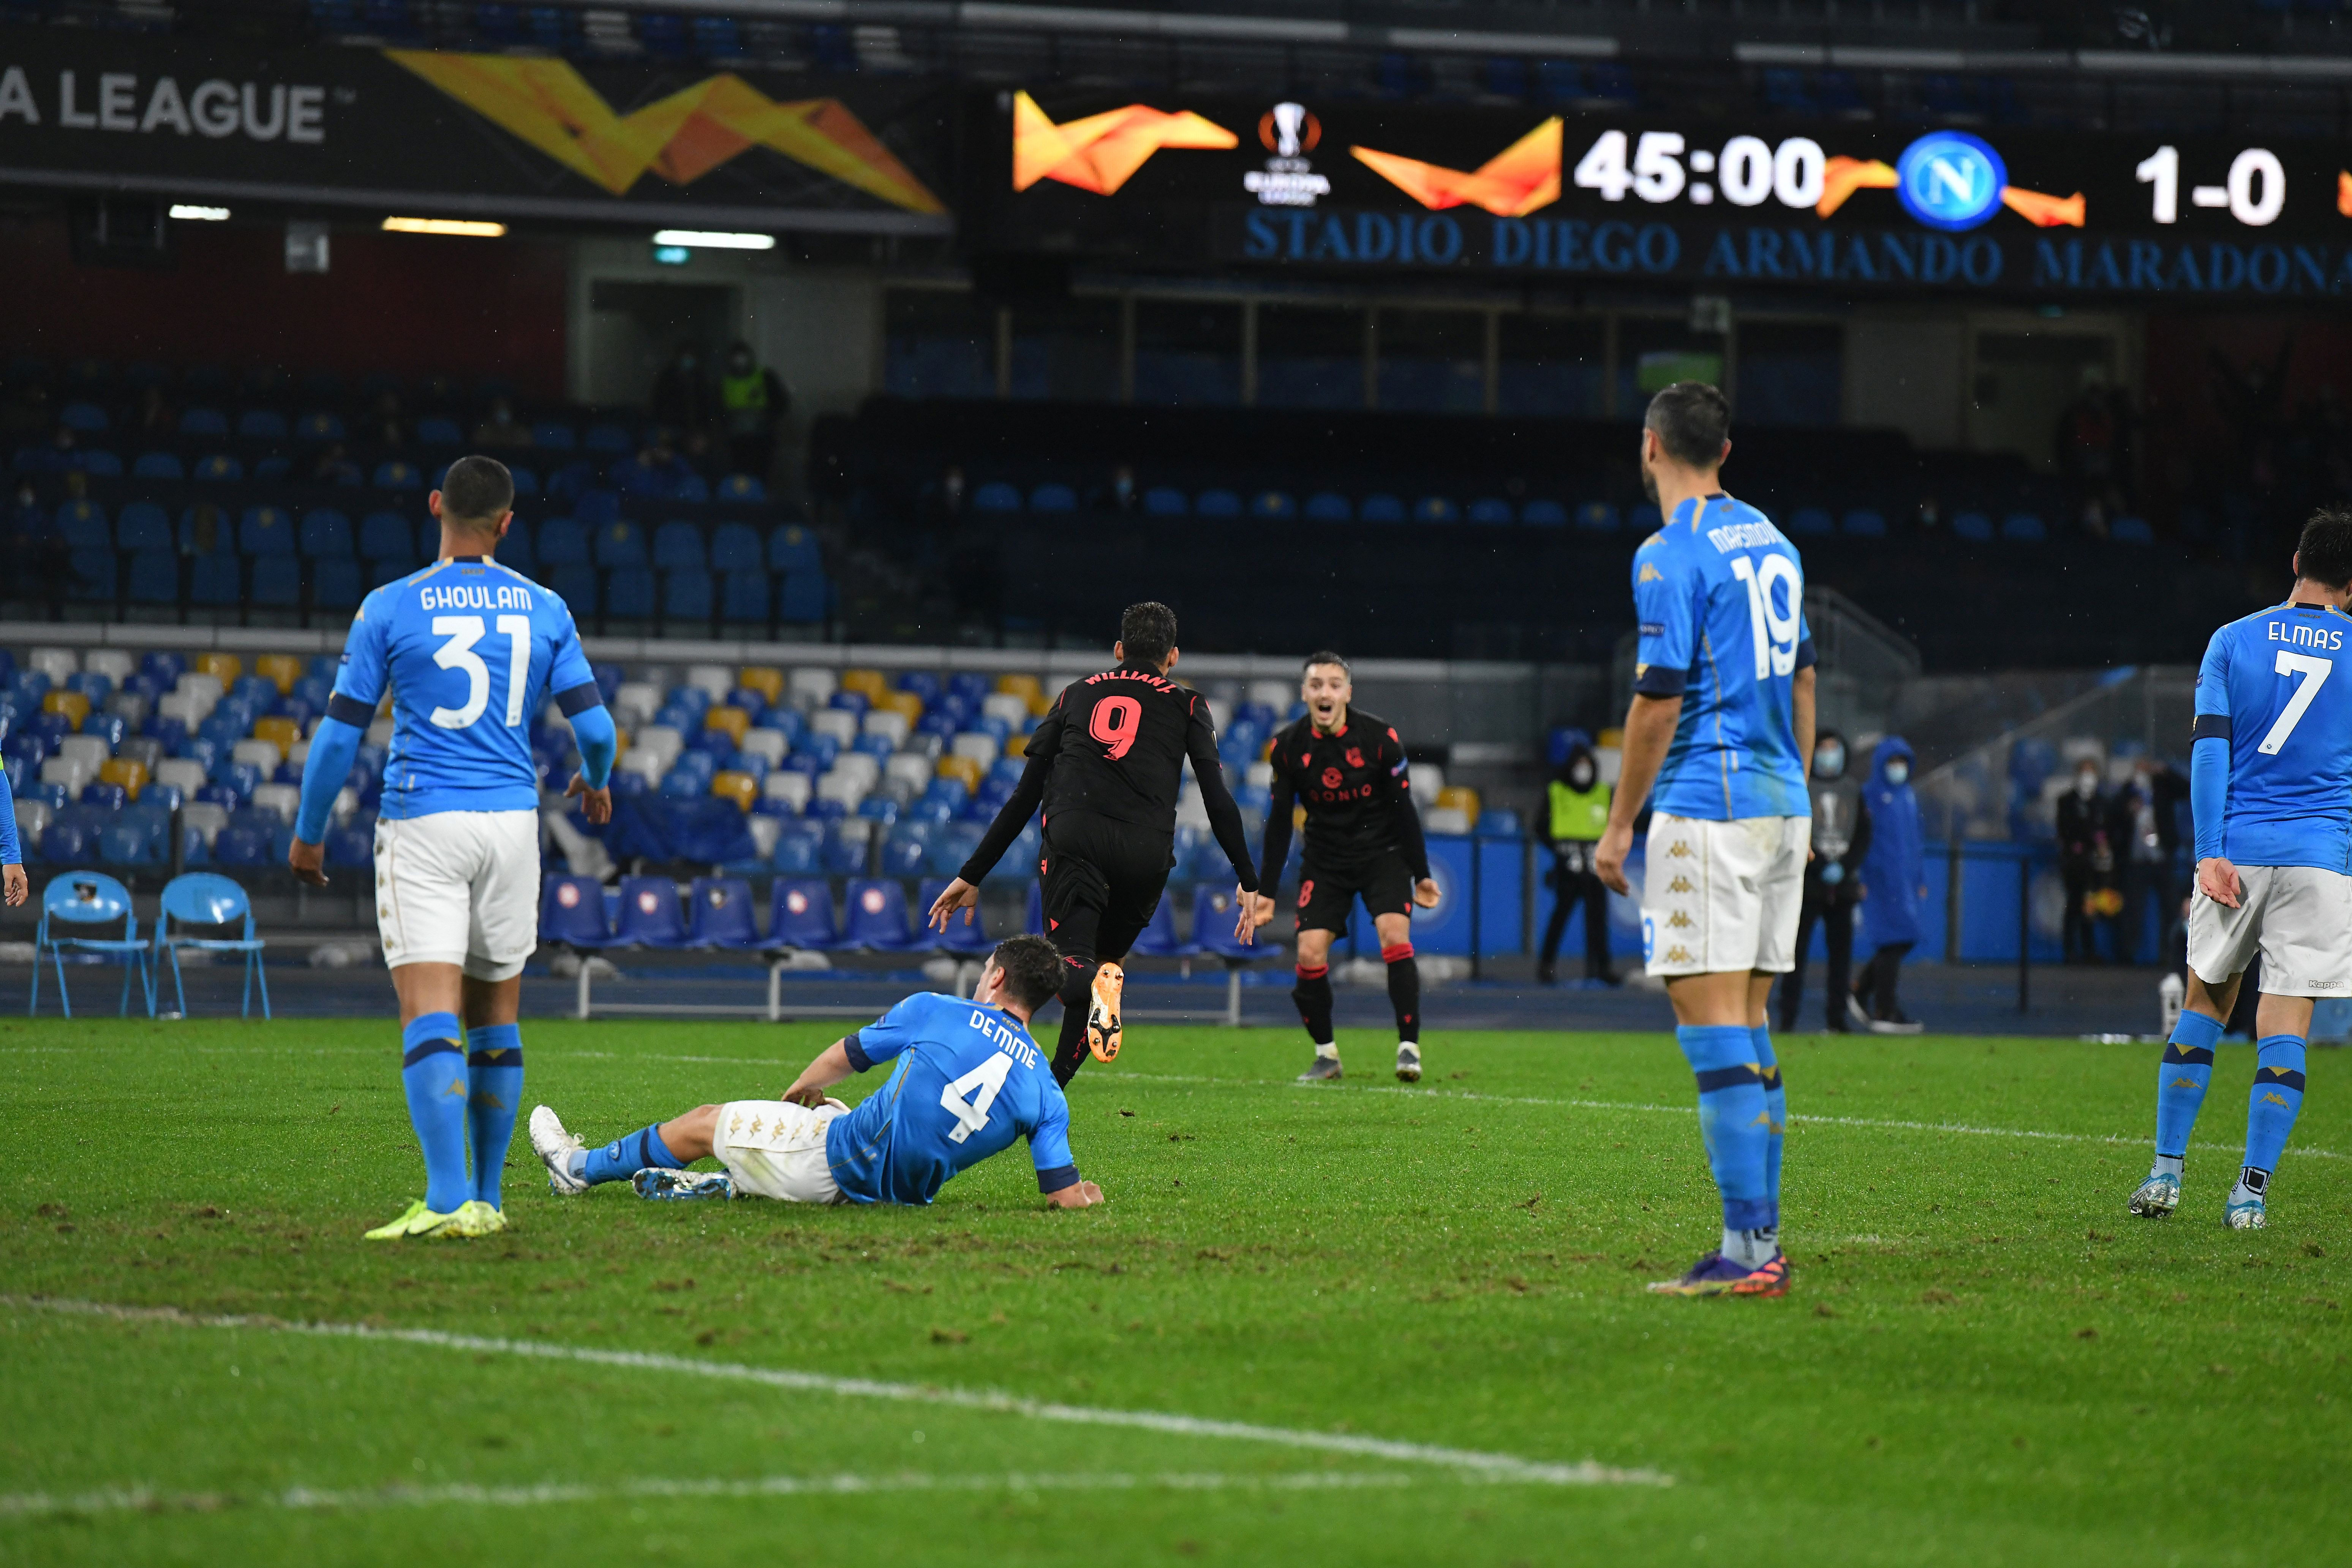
[[1077, 995], [1404, 990], [1313, 996]]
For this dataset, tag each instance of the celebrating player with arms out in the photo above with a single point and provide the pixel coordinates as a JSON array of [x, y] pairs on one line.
[[468, 650], [1107, 762], [1363, 840], [1722, 724], [967, 1081], [2270, 781]]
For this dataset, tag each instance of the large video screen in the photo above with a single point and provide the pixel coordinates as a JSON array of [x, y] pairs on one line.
[[1351, 186]]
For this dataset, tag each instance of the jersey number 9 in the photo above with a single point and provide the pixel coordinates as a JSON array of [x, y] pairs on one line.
[[1776, 635], [1114, 722], [457, 653]]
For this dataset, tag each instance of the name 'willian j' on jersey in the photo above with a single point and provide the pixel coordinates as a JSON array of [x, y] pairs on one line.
[[2274, 688], [1720, 595], [469, 650]]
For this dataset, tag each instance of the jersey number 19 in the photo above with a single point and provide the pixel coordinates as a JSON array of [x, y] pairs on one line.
[[1776, 635], [457, 653]]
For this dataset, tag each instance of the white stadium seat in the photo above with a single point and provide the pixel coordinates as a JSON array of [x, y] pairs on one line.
[[977, 745], [817, 686], [88, 749], [57, 663], [262, 754], [768, 743], [794, 789], [284, 799], [185, 773], [889, 722], [114, 663], [1005, 705], [838, 722], [206, 816], [715, 678]]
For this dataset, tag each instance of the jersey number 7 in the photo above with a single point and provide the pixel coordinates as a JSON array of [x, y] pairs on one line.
[[2315, 673], [457, 653]]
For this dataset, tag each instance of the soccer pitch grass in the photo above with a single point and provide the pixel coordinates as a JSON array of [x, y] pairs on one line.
[[1399, 1322]]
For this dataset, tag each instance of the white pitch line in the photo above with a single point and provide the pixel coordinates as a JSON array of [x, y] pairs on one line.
[[539, 1494], [1497, 1466], [1859, 1121]]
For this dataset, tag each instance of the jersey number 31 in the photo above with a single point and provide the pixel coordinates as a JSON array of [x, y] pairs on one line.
[[457, 653]]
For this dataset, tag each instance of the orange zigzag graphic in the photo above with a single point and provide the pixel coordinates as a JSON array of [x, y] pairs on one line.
[[1841, 177], [1102, 152], [681, 138], [1515, 181]]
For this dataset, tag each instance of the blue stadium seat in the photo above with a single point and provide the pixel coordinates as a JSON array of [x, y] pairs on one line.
[[1053, 500], [83, 523], [1212, 923], [724, 913], [214, 580], [1157, 939], [334, 582], [572, 912], [686, 597], [1166, 501], [801, 912], [679, 544], [620, 544], [605, 436], [649, 915], [243, 849], [1972, 526], [792, 548], [325, 532], [561, 541], [966, 939], [1273, 506], [1216, 503], [1598, 517], [265, 531], [277, 582], [878, 919], [628, 595], [275, 466], [1811, 522], [1498, 821], [525, 479], [808, 599], [1033, 915], [97, 463], [158, 466], [203, 422], [996, 497], [551, 435], [1436, 508], [735, 548], [436, 431], [2131, 530], [595, 508], [1380, 508], [576, 586], [318, 427], [741, 487], [386, 536], [261, 425], [83, 419], [93, 575], [1489, 509], [744, 598], [1864, 522], [2024, 527], [1326, 506], [397, 475], [1544, 514], [219, 468], [155, 578], [514, 548]]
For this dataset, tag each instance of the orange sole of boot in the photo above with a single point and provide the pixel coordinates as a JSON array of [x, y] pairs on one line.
[[1102, 1013]]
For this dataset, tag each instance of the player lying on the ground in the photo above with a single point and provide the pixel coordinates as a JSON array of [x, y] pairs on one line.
[[1722, 724], [456, 846], [1108, 763], [968, 1080], [1347, 768], [2270, 781]]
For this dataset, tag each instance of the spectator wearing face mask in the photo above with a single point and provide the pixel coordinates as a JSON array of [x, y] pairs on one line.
[[2146, 824], [1579, 811], [1832, 881], [1894, 889], [2086, 861]]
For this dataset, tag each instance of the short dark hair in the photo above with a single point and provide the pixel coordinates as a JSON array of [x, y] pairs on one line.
[[1325, 655], [1692, 420], [1148, 631], [1032, 967], [477, 490], [2324, 553]]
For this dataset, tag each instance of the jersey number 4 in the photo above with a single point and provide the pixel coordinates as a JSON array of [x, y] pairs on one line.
[[1776, 635], [2315, 673], [457, 653], [968, 1098]]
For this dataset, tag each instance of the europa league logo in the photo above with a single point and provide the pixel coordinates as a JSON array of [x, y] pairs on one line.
[[1288, 130]]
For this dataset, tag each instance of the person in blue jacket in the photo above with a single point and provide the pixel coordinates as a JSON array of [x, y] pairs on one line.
[[13, 885], [1894, 889]]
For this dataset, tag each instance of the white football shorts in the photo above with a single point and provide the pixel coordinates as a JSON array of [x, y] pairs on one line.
[[2299, 918], [1723, 896], [774, 1149], [459, 886]]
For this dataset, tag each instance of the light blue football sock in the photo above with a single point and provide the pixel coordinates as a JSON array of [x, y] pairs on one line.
[[2186, 1073], [2274, 1102], [433, 1071], [1732, 1118], [494, 1071], [1776, 1106], [625, 1157]]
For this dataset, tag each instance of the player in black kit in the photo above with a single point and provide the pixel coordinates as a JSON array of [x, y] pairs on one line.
[[1108, 762], [1363, 840]]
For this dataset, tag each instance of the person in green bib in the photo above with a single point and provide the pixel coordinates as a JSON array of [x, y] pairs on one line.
[[754, 402], [1578, 812]]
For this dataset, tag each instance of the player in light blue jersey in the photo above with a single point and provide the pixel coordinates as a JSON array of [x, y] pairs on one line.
[[2270, 783], [1716, 746], [965, 1080], [467, 650]]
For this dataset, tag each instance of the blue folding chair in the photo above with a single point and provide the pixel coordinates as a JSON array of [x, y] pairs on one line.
[[724, 913], [649, 915], [572, 912], [1032, 919], [877, 917], [200, 898], [89, 899], [800, 914], [1158, 940], [964, 938], [1212, 933]]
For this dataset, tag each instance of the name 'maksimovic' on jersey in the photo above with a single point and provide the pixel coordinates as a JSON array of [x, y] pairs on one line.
[[1720, 595]]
